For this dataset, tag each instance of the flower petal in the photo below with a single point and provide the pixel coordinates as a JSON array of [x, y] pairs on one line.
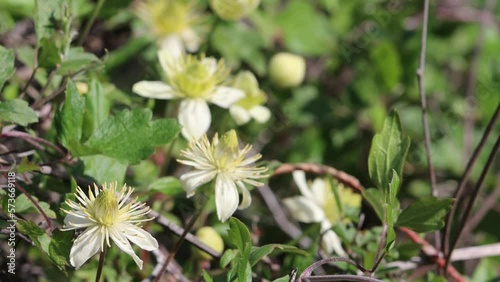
[[72, 221], [194, 116], [154, 89], [239, 114], [246, 198], [226, 96], [261, 114], [139, 237], [194, 179], [171, 48], [211, 64], [304, 209], [191, 40], [319, 191], [226, 197], [122, 243], [85, 246], [330, 243], [300, 179]]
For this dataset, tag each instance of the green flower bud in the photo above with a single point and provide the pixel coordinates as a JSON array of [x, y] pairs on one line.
[[287, 70], [233, 10], [211, 238]]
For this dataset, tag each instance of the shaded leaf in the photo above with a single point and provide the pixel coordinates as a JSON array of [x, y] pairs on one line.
[[104, 169], [46, 13], [169, 186], [376, 200], [238, 233], [426, 214], [6, 65], [60, 247]]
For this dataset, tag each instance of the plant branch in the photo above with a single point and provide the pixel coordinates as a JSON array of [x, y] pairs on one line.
[[37, 206], [29, 138], [308, 271], [473, 197], [90, 22]]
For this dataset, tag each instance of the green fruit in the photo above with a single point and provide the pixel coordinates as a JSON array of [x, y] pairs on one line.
[[287, 70]]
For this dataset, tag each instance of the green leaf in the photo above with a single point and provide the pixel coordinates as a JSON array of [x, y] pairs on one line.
[[282, 279], [388, 152], [206, 276], [168, 186], [376, 200], [257, 253], [393, 188], [35, 233], [387, 63], [96, 109], [131, 136], [69, 122], [227, 257], [60, 247], [26, 166], [426, 214], [6, 65], [77, 59], [17, 111], [104, 169], [243, 267], [238, 233], [25, 205], [48, 56], [305, 30], [47, 12]]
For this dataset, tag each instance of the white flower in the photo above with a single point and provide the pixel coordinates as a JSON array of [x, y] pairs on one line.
[[196, 82], [172, 22], [224, 162], [317, 204], [251, 105], [104, 215]]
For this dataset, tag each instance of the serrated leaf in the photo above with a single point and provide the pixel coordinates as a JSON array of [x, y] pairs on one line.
[[168, 186], [77, 59], [46, 13], [104, 169], [376, 200], [238, 233], [131, 136], [60, 247], [257, 253], [35, 233], [388, 152], [96, 109], [227, 257], [26, 166], [48, 56], [25, 205], [244, 269], [17, 111], [425, 214], [6, 65]]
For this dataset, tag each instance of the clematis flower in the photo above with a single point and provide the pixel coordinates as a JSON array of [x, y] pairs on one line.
[[225, 163], [172, 22], [251, 106], [318, 204], [197, 82], [105, 215], [233, 10]]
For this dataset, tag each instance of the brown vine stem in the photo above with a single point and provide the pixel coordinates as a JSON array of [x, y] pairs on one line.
[[29, 138], [465, 177], [35, 203], [423, 105], [339, 175], [472, 199]]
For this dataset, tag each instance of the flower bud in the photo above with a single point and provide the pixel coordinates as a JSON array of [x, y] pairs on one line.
[[233, 10], [211, 238], [287, 70]]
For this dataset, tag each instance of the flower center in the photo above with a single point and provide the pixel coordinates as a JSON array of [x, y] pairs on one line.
[[226, 151], [170, 16], [106, 208]]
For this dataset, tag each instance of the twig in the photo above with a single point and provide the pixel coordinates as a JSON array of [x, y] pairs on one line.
[[37, 206], [90, 22], [341, 176], [28, 138], [308, 271], [339, 277], [465, 177], [380, 249], [432, 253], [471, 83], [31, 77], [173, 267], [490, 201], [476, 252], [473, 197]]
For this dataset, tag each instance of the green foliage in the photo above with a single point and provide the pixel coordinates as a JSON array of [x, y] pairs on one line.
[[129, 136], [425, 214], [47, 14], [6, 65], [17, 111], [168, 186], [76, 60]]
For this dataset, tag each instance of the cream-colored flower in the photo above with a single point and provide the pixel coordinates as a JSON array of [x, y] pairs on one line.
[[222, 161], [172, 22], [317, 204], [106, 215], [197, 82], [233, 9], [251, 106]]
